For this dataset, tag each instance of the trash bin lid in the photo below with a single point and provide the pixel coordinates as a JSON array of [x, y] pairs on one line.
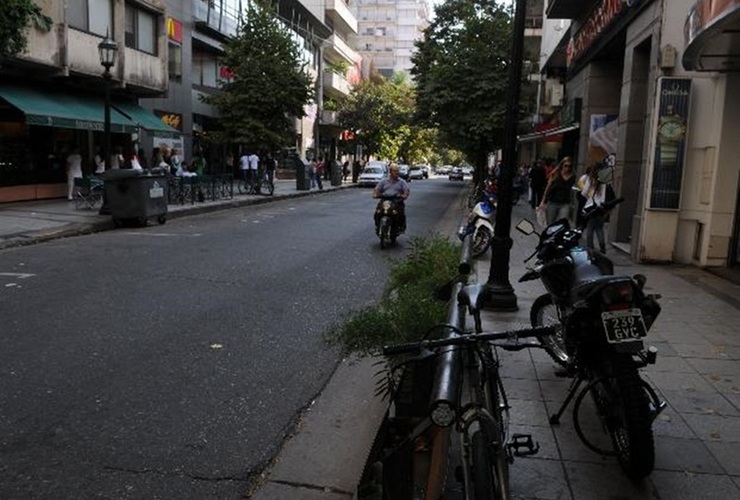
[[121, 173]]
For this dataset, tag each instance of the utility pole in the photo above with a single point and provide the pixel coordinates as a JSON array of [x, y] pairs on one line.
[[500, 294]]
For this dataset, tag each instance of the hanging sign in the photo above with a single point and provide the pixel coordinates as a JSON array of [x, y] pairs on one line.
[[174, 30]]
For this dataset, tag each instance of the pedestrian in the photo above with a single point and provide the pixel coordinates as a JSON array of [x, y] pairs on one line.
[[270, 167], [142, 158], [244, 166], [356, 169], [312, 172], [175, 161], [594, 194], [116, 159], [580, 198], [157, 157], [98, 161], [320, 168], [199, 163], [345, 171], [537, 183], [74, 171], [254, 165], [556, 198]]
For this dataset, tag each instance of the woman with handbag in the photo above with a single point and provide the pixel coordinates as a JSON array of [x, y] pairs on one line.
[[556, 198]]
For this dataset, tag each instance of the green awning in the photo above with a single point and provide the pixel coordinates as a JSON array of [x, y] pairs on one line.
[[146, 119], [55, 109]]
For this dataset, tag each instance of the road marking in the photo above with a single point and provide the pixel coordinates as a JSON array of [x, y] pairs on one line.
[[21, 276]]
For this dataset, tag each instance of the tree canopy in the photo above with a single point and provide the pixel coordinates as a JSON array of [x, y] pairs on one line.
[[268, 87], [380, 113], [461, 72], [15, 16]]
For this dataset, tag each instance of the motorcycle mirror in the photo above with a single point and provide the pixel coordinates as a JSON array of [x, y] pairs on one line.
[[525, 226]]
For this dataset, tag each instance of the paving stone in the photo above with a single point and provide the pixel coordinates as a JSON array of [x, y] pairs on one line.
[[728, 454], [715, 427], [685, 455], [526, 411], [697, 349], [705, 403], [522, 389], [537, 479], [673, 485], [670, 423], [715, 366], [692, 382], [591, 481]]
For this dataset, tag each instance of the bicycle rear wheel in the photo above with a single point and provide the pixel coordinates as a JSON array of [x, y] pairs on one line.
[[267, 187]]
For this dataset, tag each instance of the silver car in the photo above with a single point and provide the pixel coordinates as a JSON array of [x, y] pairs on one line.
[[373, 173]]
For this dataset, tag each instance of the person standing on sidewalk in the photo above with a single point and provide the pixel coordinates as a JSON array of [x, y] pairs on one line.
[[74, 171], [594, 193], [320, 167], [254, 164], [556, 198]]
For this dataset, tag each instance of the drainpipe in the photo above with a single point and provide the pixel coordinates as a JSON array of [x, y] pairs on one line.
[[64, 41]]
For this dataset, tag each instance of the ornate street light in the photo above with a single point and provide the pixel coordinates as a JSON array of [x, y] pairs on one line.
[[108, 49], [501, 296]]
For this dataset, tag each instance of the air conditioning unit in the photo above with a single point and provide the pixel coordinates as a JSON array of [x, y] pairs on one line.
[[555, 95]]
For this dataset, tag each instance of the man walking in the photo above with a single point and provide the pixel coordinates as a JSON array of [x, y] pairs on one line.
[[254, 163]]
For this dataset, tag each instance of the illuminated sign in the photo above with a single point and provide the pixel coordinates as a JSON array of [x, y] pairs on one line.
[[603, 15], [174, 120], [174, 30]]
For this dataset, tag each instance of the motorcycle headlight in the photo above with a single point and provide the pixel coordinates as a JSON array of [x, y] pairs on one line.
[[443, 414]]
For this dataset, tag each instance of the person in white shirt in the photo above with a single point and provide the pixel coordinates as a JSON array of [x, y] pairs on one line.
[[74, 171], [594, 192], [244, 166], [254, 163], [99, 161]]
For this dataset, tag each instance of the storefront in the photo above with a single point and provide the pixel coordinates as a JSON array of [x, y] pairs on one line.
[[40, 126]]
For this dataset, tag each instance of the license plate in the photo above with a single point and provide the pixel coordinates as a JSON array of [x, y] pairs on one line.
[[623, 326]]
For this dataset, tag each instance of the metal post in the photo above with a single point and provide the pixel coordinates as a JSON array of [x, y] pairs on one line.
[[105, 209], [500, 294]]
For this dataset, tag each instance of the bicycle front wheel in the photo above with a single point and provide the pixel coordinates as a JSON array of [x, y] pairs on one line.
[[267, 188]]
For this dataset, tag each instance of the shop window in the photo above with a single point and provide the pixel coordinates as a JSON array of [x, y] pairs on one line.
[[141, 30], [93, 16], [175, 61]]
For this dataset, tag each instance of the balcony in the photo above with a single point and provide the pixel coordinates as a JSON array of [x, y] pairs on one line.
[[337, 49], [209, 17], [341, 17], [335, 86]]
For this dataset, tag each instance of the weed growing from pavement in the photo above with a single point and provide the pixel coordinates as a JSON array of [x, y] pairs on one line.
[[411, 302]]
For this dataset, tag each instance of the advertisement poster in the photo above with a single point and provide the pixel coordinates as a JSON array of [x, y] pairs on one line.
[[670, 144], [602, 138]]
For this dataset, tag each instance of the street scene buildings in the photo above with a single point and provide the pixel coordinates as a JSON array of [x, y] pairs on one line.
[[644, 85]]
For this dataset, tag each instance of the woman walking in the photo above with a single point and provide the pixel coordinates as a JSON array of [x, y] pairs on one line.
[[556, 198], [594, 192]]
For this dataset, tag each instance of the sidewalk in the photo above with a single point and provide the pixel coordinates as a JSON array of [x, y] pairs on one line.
[[28, 222], [697, 438]]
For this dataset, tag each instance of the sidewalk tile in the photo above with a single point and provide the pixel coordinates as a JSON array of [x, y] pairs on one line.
[[715, 427], [536, 479], [591, 481], [688, 486], [702, 403], [728, 455], [685, 455]]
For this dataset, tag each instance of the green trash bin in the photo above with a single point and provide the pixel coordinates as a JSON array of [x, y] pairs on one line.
[[136, 195]]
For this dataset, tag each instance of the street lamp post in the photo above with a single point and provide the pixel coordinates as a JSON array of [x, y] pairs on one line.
[[108, 50], [500, 294]]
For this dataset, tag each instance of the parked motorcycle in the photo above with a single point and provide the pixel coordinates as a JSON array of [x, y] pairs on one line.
[[480, 222], [603, 319], [388, 220]]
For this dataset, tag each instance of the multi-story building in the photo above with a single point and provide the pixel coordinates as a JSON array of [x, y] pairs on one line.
[[51, 95], [169, 56], [653, 80], [386, 34]]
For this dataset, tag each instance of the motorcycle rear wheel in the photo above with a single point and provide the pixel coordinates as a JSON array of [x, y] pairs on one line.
[[481, 241], [545, 313]]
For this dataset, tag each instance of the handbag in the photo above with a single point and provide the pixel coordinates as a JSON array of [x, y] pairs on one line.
[[541, 215]]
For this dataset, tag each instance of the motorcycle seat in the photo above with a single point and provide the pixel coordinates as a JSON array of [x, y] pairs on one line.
[[587, 281]]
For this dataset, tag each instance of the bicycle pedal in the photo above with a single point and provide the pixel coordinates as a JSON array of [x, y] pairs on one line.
[[522, 445]]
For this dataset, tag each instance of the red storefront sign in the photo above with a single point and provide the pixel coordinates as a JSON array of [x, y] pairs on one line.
[[603, 14], [174, 30]]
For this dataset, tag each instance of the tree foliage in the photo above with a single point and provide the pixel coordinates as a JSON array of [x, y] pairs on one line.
[[269, 85], [380, 113], [461, 71], [15, 16]]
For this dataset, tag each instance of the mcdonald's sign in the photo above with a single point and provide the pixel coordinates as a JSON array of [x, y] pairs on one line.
[[174, 30]]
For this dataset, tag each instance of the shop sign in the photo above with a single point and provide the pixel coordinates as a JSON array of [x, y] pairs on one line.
[[174, 30], [603, 15], [174, 120], [670, 144]]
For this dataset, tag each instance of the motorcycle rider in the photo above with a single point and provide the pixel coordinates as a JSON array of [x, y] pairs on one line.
[[393, 185]]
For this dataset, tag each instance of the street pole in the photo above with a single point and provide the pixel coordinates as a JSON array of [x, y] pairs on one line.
[[108, 49], [500, 294]]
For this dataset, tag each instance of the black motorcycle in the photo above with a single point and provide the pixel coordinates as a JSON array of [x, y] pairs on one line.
[[602, 321], [388, 220]]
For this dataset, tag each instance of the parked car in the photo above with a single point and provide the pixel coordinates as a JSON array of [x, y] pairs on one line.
[[467, 170], [425, 169], [416, 172], [373, 173], [456, 174], [444, 170]]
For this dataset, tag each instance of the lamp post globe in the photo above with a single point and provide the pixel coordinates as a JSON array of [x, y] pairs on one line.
[[108, 49]]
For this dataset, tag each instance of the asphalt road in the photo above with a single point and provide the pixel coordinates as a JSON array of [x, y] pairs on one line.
[[172, 361]]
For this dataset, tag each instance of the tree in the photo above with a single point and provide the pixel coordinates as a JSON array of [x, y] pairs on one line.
[[15, 16], [379, 113], [268, 85], [461, 71]]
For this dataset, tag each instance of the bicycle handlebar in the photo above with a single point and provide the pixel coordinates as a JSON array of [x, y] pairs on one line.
[[511, 335]]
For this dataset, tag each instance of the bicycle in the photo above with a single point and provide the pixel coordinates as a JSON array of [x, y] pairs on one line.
[[482, 421], [258, 186]]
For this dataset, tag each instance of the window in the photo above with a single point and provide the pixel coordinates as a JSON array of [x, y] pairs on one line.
[[205, 69], [175, 61], [94, 16], [141, 30]]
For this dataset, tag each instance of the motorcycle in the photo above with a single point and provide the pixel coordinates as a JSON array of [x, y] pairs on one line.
[[602, 320], [480, 222], [388, 220]]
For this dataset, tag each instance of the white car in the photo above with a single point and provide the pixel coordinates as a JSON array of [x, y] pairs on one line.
[[373, 173]]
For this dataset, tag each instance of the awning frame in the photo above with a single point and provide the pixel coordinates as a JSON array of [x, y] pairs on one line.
[[535, 136]]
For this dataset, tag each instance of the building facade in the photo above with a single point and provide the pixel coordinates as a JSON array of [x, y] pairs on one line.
[[646, 94], [169, 57], [386, 33]]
